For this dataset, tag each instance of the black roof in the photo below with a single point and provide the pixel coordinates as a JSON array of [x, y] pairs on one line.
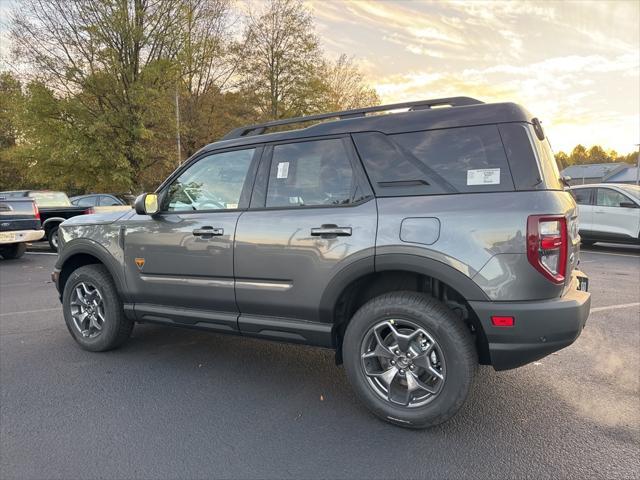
[[464, 112]]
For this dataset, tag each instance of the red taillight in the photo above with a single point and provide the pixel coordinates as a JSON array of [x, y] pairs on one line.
[[547, 245], [36, 212], [497, 321]]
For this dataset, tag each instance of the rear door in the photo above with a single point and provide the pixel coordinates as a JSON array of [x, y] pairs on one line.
[[312, 215], [611, 218], [179, 263], [584, 199]]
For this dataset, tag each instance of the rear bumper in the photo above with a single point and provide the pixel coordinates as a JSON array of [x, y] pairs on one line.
[[21, 236], [540, 327]]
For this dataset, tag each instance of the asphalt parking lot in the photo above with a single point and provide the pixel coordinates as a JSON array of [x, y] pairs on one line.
[[184, 404]]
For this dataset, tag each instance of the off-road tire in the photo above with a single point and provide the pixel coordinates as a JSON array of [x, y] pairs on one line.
[[52, 237], [449, 332], [116, 328], [13, 251]]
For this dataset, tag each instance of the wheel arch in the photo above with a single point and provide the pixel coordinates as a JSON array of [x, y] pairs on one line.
[[50, 223], [363, 280], [87, 252]]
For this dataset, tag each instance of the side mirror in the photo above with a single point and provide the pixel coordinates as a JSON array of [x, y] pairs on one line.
[[147, 204], [628, 205]]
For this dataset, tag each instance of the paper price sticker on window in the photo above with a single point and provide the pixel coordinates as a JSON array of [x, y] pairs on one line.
[[483, 176], [283, 170]]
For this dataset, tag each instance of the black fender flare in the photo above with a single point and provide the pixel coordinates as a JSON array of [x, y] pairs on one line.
[[90, 247], [406, 262]]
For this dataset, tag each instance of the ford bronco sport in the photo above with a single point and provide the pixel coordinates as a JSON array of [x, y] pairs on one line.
[[416, 244]]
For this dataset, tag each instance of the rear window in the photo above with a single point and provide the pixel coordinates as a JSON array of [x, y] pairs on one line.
[[50, 199], [456, 160], [549, 165], [522, 159]]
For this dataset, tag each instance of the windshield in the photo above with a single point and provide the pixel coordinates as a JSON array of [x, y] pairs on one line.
[[633, 190], [50, 199]]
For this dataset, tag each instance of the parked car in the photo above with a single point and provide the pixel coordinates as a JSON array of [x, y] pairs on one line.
[[19, 224], [101, 200], [608, 212], [415, 244], [54, 208], [99, 203]]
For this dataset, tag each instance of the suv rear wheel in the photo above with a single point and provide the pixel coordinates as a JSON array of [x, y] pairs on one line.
[[93, 311], [409, 359]]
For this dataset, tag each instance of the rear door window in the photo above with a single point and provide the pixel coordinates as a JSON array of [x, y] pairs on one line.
[[86, 201], [582, 195], [109, 201], [456, 160], [310, 173]]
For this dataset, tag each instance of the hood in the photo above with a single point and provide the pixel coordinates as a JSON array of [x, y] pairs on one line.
[[98, 218]]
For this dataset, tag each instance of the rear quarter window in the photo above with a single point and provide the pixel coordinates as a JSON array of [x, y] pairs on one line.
[[456, 160], [522, 159]]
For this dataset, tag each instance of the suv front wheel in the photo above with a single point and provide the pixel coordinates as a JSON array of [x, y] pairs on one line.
[[93, 311], [409, 359]]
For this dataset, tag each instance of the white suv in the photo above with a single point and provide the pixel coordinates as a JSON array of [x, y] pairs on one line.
[[608, 212]]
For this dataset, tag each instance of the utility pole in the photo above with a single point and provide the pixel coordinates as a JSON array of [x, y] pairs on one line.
[[178, 127]]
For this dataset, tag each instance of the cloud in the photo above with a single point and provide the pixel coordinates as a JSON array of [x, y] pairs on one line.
[[573, 64]]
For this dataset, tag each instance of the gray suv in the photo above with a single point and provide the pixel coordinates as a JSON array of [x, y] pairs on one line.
[[416, 244]]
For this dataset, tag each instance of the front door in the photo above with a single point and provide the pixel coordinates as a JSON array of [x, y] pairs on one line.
[[179, 263], [612, 216], [312, 215]]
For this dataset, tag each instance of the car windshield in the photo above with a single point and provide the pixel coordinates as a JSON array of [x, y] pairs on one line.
[[633, 190], [50, 199]]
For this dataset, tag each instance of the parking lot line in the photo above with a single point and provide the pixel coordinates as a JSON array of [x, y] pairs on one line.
[[41, 253], [24, 312], [615, 307], [609, 253]]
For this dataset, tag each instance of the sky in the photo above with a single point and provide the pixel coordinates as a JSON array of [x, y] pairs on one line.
[[575, 65]]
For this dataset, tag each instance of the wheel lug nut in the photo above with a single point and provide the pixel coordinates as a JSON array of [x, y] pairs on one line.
[[412, 367], [402, 372], [393, 362]]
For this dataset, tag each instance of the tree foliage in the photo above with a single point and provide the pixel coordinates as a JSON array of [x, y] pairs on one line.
[[94, 107], [580, 155]]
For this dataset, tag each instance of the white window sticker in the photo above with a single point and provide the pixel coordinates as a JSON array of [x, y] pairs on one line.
[[283, 170], [483, 176]]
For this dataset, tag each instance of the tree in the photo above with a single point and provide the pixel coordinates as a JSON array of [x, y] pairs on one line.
[[596, 154], [578, 155], [11, 99], [281, 60], [115, 59], [208, 65], [344, 86], [563, 160]]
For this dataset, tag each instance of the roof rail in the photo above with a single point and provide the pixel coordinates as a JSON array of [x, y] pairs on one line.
[[260, 128]]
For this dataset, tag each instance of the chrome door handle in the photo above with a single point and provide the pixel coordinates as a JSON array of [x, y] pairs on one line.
[[331, 231], [208, 232]]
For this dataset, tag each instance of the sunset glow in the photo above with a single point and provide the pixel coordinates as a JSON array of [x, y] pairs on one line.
[[574, 65]]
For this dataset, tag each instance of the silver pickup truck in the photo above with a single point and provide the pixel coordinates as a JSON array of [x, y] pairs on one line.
[[19, 224]]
